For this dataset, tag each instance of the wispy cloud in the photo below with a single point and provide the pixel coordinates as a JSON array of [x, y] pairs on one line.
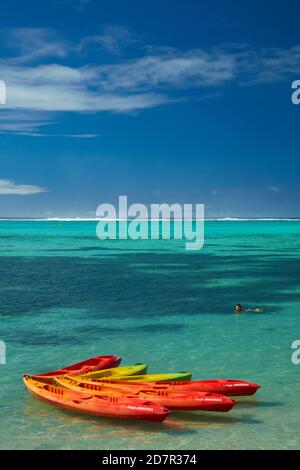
[[71, 136], [37, 86], [113, 39], [267, 65], [274, 189], [31, 124], [169, 70], [58, 88], [31, 44], [125, 87], [23, 121], [9, 187]]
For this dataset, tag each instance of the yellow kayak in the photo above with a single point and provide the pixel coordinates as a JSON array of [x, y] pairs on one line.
[[176, 377], [117, 372]]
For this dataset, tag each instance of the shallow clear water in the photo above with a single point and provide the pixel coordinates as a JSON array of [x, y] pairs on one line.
[[66, 296]]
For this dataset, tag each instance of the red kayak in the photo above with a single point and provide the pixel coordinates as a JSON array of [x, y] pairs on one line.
[[233, 388], [193, 401], [85, 367], [106, 406], [176, 400]]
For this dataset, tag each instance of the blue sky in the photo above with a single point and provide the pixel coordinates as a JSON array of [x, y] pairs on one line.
[[163, 101]]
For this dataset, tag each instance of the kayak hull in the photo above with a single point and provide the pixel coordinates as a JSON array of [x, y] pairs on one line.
[[100, 405], [182, 376], [88, 366], [204, 401], [231, 388]]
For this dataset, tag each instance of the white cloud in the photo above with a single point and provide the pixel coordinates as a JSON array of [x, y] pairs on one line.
[[268, 64], [157, 76], [274, 189], [170, 70], [61, 88], [9, 187], [72, 136], [29, 44], [129, 85], [31, 123], [113, 39], [14, 121]]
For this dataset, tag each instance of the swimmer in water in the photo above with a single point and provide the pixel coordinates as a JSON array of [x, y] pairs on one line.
[[239, 309]]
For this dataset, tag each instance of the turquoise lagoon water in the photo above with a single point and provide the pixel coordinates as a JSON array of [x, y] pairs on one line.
[[66, 296]]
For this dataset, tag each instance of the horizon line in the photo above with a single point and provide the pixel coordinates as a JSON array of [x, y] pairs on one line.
[[98, 219]]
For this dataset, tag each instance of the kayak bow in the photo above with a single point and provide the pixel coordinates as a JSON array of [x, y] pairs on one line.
[[90, 365]]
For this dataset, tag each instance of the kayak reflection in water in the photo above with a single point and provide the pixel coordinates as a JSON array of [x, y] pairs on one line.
[[239, 309]]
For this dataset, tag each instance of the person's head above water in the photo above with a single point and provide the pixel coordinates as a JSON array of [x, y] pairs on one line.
[[238, 308]]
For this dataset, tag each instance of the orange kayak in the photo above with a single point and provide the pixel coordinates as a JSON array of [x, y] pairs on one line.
[[99, 405], [232, 388], [178, 400], [85, 367]]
